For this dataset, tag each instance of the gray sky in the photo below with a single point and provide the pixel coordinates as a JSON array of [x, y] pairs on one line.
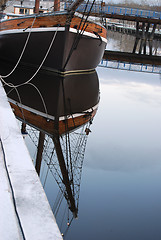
[[151, 2]]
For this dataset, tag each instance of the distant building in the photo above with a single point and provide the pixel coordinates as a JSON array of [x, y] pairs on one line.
[[18, 9]]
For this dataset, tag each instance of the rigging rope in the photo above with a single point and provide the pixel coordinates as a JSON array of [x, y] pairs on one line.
[[78, 142], [80, 32], [45, 108], [50, 160], [65, 209], [66, 231]]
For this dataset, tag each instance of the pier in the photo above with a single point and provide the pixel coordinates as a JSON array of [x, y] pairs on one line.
[[25, 211]]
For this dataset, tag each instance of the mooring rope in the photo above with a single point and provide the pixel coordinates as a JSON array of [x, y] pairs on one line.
[[23, 50], [43, 101], [9, 85], [19, 102]]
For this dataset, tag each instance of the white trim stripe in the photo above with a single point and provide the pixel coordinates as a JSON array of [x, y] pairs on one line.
[[31, 109], [87, 34], [50, 29], [60, 29], [79, 114], [49, 116]]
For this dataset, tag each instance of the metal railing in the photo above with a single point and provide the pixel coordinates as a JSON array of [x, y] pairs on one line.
[[97, 8], [137, 67]]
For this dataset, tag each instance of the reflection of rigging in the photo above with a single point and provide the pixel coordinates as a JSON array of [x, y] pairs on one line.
[[64, 159]]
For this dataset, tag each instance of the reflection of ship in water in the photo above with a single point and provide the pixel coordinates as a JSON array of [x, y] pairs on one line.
[[66, 102], [61, 114]]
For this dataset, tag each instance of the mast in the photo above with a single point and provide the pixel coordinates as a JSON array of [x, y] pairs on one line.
[[56, 5], [37, 4], [74, 5]]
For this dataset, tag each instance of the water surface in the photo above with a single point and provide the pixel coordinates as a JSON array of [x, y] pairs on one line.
[[120, 196]]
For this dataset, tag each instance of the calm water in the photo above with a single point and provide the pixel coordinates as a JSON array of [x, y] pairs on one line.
[[120, 196], [125, 43]]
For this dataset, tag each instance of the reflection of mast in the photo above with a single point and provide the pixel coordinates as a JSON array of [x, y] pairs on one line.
[[64, 172], [39, 152], [64, 157]]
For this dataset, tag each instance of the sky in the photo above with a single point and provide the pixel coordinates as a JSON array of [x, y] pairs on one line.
[[151, 2]]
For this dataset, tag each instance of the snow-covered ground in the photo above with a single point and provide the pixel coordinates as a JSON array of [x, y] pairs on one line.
[[33, 210]]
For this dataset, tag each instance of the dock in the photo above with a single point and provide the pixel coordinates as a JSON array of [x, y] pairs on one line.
[[25, 211]]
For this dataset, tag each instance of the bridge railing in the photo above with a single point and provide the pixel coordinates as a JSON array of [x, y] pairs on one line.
[[120, 11], [131, 12], [137, 67]]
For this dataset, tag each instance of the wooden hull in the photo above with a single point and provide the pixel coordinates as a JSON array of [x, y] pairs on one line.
[[71, 50], [49, 126]]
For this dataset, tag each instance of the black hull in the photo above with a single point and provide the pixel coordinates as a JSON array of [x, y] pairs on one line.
[[53, 94], [55, 77], [86, 54]]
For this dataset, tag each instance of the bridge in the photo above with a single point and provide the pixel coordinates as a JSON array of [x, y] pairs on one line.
[[122, 13], [144, 29], [130, 66], [131, 62]]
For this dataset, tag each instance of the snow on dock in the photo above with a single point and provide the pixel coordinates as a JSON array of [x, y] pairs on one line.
[[25, 211]]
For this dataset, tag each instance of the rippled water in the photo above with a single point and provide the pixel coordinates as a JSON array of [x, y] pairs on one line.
[[125, 43]]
